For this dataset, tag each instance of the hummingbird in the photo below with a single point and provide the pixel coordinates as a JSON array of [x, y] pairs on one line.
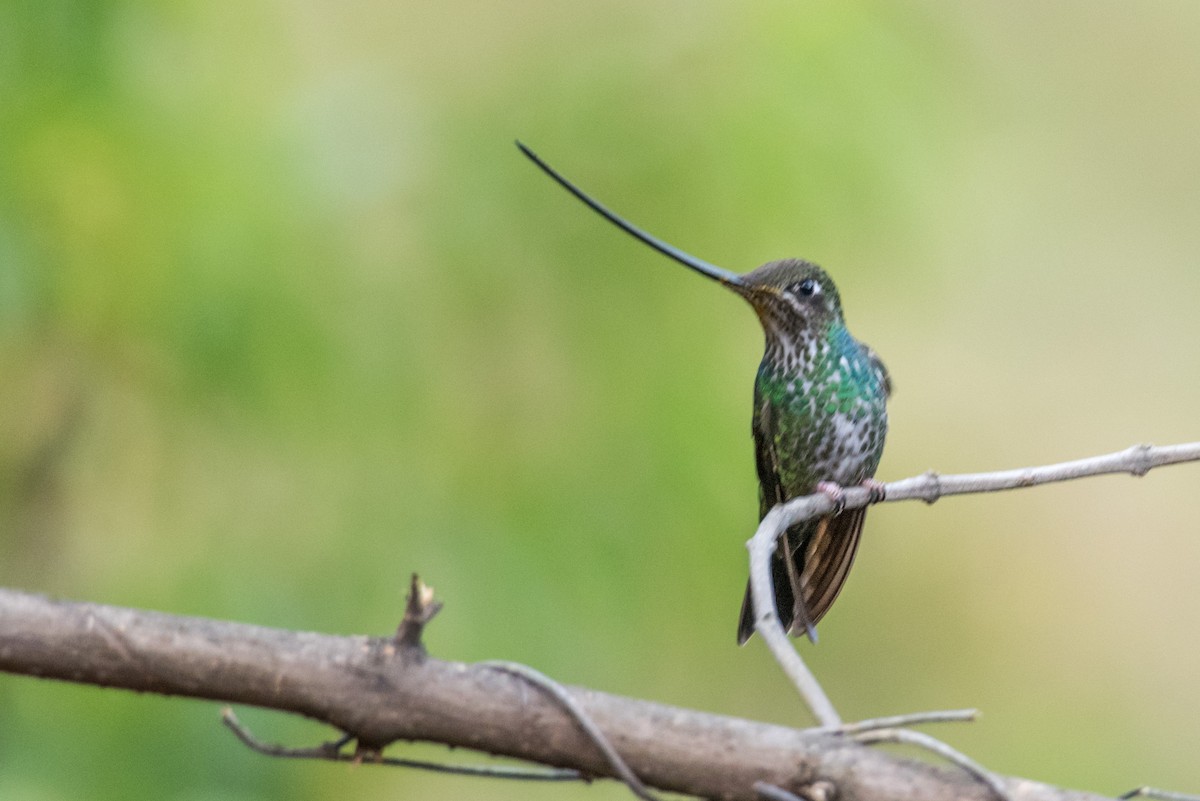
[[819, 418]]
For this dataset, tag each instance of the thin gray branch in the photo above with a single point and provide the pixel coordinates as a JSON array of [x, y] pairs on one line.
[[332, 752], [767, 623], [922, 740], [769, 792], [380, 692], [568, 703], [1161, 795], [1137, 460], [910, 719]]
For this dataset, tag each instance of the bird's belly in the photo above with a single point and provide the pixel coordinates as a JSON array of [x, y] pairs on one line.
[[852, 455], [843, 447]]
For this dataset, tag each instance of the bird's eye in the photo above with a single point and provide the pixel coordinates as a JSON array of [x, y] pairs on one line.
[[806, 288]]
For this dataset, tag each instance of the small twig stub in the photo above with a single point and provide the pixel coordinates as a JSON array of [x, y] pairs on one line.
[[418, 611]]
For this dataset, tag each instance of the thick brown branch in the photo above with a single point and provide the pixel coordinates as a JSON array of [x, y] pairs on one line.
[[380, 692]]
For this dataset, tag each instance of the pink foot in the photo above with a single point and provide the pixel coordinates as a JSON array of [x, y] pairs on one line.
[[835, 493], [877, 490]]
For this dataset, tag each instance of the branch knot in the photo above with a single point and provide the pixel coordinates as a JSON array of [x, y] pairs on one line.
[[1142, 459], [931, 487]]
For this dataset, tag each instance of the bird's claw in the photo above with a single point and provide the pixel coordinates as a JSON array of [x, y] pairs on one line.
[[876, 493], [835, 493], [876, 490]]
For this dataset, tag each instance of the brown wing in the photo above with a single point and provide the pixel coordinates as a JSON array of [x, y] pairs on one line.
[[824, 561], [822, 553]]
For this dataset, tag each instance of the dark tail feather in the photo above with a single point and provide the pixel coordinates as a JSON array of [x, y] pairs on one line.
[[784, 603], [822, 555]]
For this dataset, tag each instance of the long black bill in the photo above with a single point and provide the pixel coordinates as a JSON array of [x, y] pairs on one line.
[[704, 268]]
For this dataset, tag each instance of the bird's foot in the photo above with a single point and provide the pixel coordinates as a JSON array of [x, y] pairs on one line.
[[876, 490], [835, 493]]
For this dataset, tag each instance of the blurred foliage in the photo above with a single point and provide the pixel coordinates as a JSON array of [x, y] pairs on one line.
[[284, 316]]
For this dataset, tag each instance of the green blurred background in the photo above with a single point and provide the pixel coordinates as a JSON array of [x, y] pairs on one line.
[[285, 316]]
